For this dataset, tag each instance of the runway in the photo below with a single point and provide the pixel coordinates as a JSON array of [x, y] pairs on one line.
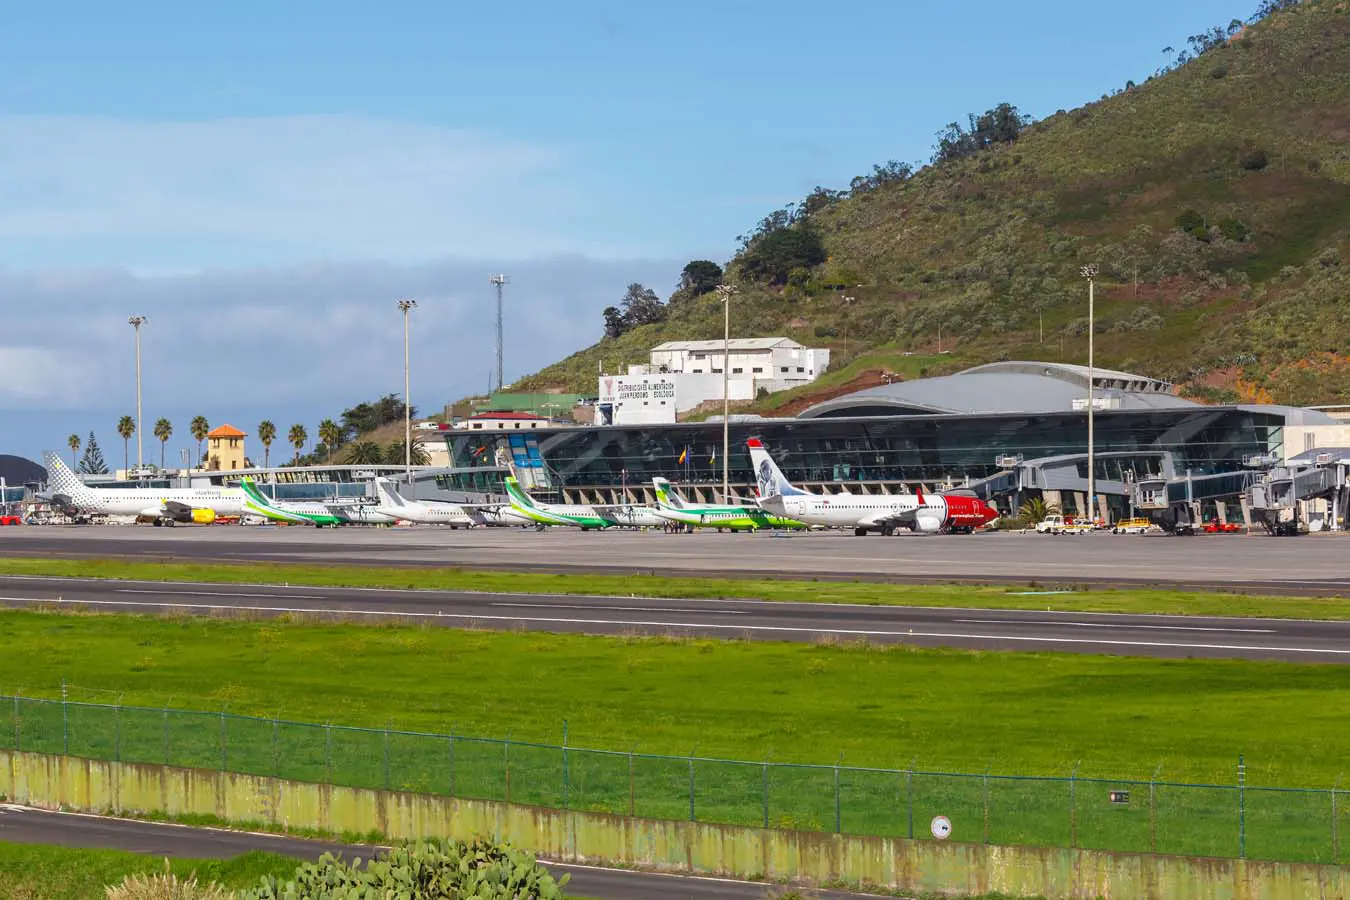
[[761, 620], [1310, 565], [23, 825]]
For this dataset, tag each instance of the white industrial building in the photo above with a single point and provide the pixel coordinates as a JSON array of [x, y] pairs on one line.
[[681, 375]]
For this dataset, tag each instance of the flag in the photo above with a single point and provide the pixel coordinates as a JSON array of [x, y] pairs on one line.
[[712, 459], [684, 454]]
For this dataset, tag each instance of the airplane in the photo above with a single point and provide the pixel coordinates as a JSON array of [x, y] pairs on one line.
[[924, 513], [309, 512], [670, 505], [434, 512], [162, 506], [578, 515]]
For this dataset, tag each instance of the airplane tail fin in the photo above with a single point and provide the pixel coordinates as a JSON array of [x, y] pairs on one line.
[[517, 493], [387, 494], [769, 478], [250, 489], [61, 480], [918, 492], [666, 495]]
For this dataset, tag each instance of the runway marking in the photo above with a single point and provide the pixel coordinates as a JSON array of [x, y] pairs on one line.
[[651, 609], [780, 629], [1124, 625], [224, 594]]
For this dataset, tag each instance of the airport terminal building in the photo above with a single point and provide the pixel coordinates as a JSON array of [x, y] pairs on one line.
[[1007, 430]]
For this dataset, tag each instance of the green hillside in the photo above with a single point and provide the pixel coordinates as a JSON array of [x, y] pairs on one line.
[[1213, 196]]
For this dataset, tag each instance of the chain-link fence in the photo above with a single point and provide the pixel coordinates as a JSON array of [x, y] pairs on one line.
[[1234, 820]]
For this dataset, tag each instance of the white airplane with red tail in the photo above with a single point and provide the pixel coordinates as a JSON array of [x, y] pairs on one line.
[[950, 513]]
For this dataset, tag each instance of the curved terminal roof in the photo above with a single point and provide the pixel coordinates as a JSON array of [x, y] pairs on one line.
[[1005, 387]]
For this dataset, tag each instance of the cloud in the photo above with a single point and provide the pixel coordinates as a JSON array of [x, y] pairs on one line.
[[286, 187], [313, 339]]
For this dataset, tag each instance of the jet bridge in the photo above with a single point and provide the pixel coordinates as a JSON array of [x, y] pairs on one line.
[[1286, 498]]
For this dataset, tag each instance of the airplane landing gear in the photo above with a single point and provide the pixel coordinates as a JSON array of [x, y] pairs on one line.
[[860, 532]]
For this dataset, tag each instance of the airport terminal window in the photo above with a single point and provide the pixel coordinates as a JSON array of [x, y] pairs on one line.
[[737, 370], [756, 370]]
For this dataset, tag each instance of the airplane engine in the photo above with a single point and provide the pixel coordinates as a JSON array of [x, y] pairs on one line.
[[181, 512], [928, 522], [203, 516]]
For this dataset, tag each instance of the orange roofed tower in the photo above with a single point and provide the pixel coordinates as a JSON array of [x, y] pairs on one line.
[[225, 448]]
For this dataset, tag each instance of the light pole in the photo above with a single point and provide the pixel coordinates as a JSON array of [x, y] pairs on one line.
[[136, 322], [406, 306], [725, 291], [1090, 273]]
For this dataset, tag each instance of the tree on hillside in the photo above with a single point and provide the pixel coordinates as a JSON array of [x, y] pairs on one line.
[[126, 428], [368, 416], [163, 431], [774, 256], [199, 428], [394, 454], [92, 462], [73, 442], [892, 171], [1001, 125], [364, 453], [297, 437], [267, 433], [331, 435], [699, 277], [640, 306]]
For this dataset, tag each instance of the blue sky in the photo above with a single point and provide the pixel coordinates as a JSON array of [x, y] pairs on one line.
[[155, 148]]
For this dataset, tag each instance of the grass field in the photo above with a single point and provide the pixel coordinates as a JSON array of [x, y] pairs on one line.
[[952, 595], [29, 872]]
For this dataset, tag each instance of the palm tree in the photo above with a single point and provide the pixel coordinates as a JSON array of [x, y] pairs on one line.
[[73, 442], [364, 453], [199, 428], [331, 435], [395, 455], [267, 433], [126, 427], [163, 431], [1036, 509], [298, 437]]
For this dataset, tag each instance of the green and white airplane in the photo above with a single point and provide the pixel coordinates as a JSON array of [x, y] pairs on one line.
[[577, 515], [309, 512], [671, 506]]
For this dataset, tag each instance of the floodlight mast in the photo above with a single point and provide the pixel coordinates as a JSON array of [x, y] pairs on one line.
[[1090, 273], [499, 281]]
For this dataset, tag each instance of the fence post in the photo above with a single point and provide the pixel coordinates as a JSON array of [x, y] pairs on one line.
[[276, 748], [909, 796], [452, 760], [386, 755], [1335, 829], [17, 730], [117, 731], [328, 752], [692, 816], [838, 815], [567, 786], [632, 782], [506, 761], [1153, 810], [165, 711], [1073, 807], [65, 721], [766, 793], [1242, 808], [224, 744], [986, 802]]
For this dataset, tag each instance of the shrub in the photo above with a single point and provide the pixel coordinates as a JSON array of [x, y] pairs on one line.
[[1193, 224], [431, 869], [166, 887], [1254, 160], [1218, 72], [1234, 230]]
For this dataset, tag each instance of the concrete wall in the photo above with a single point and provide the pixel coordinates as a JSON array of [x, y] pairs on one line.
[[910, 866]]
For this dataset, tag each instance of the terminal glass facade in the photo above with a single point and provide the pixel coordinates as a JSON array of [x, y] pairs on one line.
[[910, 448]]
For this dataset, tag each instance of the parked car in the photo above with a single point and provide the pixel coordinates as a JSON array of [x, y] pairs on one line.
[[1134, 526]]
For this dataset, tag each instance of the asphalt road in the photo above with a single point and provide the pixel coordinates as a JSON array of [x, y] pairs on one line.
[[1314, 564], [988, 629], [23, 825]]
